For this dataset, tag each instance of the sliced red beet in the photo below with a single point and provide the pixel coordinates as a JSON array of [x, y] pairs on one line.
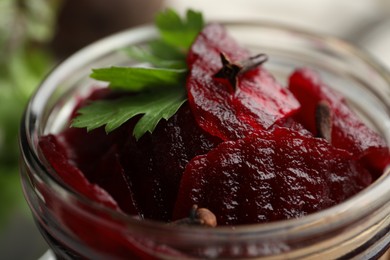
[[110, 175], [142, 176], [87, 226], [348, 130], [95, 154], [83, 147], [155, 163], [65, 159], [55, 154], [257, 102], [279, 174]]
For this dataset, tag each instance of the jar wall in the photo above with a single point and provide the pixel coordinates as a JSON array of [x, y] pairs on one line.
[[75, 226]]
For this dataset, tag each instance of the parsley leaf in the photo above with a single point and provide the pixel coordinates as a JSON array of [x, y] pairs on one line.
[[157, 91], [177, 32], [165, 51], [153, 106], [138, 79]]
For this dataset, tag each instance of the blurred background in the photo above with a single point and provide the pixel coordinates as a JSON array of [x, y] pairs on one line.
[[35, 35]]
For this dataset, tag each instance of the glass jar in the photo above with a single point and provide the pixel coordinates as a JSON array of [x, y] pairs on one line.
[[75, 226]]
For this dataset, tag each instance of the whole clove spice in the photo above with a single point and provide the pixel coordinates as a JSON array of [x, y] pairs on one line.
[[230, 70], [323, 119]]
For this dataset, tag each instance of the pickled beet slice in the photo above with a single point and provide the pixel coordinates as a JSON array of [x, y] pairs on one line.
[[66, 153], [155, 163], [110, 175], [96, 155], [348, 130], [83, 147], [86, 224], [55, 153], [257, 102], [142, 176], [277, 175]]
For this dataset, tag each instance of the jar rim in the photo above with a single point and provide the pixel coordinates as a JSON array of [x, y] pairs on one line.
[[374, 196]]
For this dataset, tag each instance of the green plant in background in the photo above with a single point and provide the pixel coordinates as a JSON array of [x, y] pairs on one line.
[[26, 32], [25, 28]]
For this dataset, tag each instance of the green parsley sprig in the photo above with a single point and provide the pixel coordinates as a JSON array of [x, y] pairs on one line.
[[159, 90]]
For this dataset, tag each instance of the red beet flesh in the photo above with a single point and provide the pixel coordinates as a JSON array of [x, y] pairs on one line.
[[276, 175], [348, 130], [257, 102], [142, 176], [248, 154]]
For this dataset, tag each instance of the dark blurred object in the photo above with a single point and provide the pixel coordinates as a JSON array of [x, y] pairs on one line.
[[84, 21]]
